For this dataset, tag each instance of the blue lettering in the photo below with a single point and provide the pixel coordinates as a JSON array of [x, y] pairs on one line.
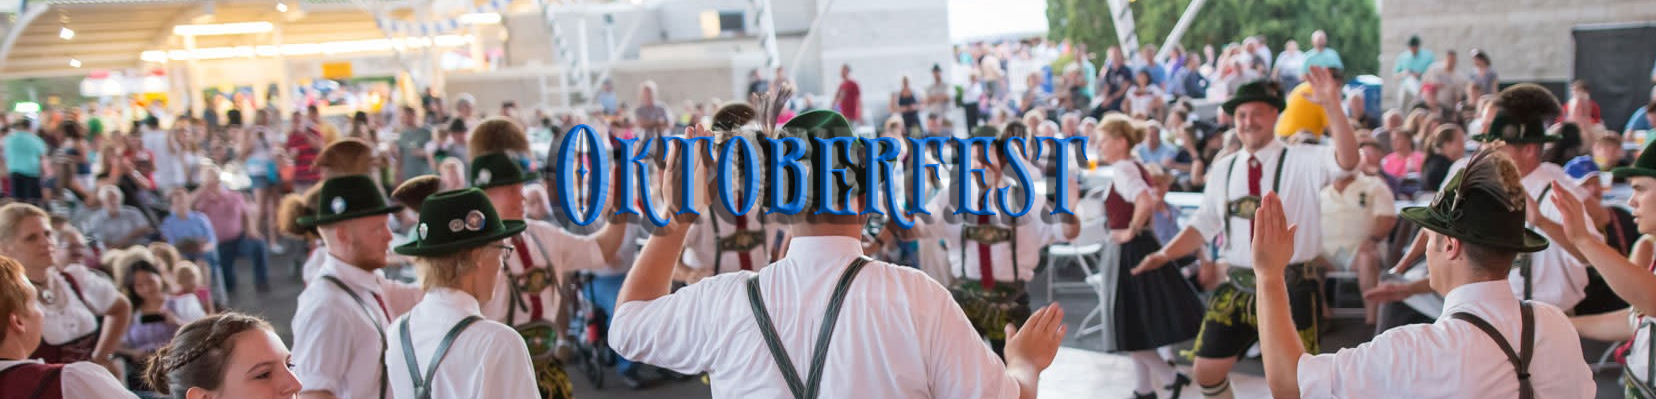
[[830, 177], [1019, 170], [566, 175], [965, 172], [750, 175], [687, 154], [917, 185], [787, 161], [1063, 168]]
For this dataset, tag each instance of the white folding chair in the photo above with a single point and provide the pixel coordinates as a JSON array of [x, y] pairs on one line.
[[1083, 250]]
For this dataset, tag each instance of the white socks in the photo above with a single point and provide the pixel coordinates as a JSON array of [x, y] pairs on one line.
[[1149, 366], [1221, 391]]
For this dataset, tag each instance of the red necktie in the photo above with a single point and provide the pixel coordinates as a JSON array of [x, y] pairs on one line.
[[1255, 171], [744, 256], [986, 263], [384, 309], [535, 306]]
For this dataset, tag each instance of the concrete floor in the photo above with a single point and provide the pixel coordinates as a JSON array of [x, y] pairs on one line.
[[1080, 369]]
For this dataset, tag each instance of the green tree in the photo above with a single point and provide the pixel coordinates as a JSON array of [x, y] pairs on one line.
[[1353, 26]]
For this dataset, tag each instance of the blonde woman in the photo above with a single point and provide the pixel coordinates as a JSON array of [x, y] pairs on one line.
[[458, 251]]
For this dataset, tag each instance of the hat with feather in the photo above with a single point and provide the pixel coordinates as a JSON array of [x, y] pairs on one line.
[[1483, 204]]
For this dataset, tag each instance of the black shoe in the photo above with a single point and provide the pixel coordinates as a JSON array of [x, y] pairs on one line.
[[1180, 381], [1151, 395], [631, 380]]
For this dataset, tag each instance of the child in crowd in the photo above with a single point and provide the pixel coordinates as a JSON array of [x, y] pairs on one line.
[[187, 278]]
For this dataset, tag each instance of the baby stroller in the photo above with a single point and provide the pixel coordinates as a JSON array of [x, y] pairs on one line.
[[587, 327]]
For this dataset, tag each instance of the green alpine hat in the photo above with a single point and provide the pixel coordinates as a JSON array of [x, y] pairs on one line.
[[827, 125], [1644, 166], [1258, 90], [1513, 129], [348, 197], [498, 169], [456, 220], [1477, 207]]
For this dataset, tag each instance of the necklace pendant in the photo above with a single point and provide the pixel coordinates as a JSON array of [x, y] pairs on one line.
[[48, 297]]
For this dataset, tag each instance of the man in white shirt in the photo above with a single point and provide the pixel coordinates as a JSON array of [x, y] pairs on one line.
[[1554, 275], [1289, 64], [340, 323], [1448, 81], [1358, 213], [1487, 341], [903, 336], [1236, 183], [991, 255], [527, 288]]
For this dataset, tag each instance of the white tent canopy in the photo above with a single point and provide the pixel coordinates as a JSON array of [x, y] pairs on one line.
[[971, 20]]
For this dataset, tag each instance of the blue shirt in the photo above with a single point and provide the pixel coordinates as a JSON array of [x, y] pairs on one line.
[[1157, 75], [1163, 153], [23, 152], [1638, 121], [193, 226], [1412, 62], [1325, 57]]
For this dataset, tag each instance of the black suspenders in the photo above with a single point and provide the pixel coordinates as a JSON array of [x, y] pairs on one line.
[[1224, 189], [819, 354], [1526, 262], [377, 327], [1521, 359], [422, 385]]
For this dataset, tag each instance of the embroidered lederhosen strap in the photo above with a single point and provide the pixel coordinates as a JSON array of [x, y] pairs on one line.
[[1011, 236], [738, 239], [531, 274], [819, 354], [422, 385], [1224, 189], [1526, 340], [377, 327]]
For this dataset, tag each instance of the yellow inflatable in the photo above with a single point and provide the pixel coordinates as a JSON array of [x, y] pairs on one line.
[[1302, 114]]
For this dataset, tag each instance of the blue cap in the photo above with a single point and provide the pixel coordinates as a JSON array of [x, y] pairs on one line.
[[1581, 168]]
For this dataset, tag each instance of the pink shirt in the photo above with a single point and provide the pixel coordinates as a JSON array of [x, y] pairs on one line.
[[224, 211], [1398, 166]]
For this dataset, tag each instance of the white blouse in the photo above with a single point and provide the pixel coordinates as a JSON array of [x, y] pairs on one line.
[[67, 318]]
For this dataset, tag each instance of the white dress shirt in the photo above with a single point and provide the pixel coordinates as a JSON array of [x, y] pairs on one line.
[[79, 380], [1309, 168], [67, 318], [899, 334], [487, 360], [1032, 231], [1453, 358], [336, 347], [544, 243], [1560, 278]]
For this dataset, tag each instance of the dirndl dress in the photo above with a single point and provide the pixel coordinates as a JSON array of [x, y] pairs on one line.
[[1147, 311]]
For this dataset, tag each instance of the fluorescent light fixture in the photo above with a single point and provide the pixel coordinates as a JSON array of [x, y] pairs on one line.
[[237, 28], [281, 7], [305, 49], [480, 19], [74, 63], [66, 33]]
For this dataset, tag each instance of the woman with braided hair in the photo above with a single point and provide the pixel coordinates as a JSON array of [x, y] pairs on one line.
[[227, 355], [21, 377]]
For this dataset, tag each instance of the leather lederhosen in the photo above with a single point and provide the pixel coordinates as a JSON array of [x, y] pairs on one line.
[[32, 381], [78, 349], [539, 334], [991, 304]]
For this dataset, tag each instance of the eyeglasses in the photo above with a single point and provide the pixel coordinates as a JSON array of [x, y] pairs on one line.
[[506, 252]]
